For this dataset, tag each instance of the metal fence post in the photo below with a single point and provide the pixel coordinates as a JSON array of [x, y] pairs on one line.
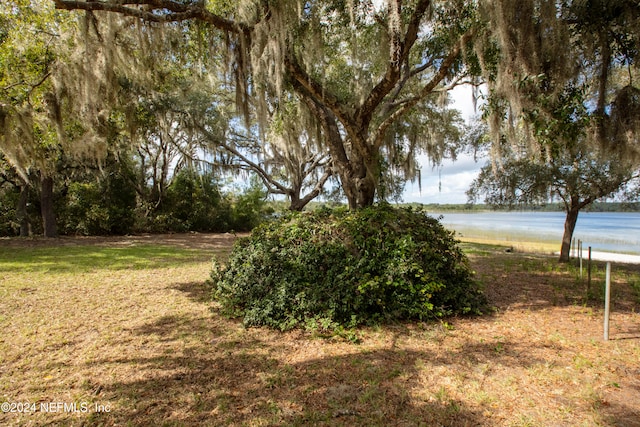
[[607, 302]]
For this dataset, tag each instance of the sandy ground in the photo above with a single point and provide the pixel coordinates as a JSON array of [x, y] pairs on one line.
[[613, 257]]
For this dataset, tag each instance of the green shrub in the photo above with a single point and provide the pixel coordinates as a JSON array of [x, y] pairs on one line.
[[194, 203], [8, 218], [249, 207], [101, 207], [339, 267]]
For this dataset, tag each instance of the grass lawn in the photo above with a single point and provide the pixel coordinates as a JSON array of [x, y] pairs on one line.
[[122, 332]]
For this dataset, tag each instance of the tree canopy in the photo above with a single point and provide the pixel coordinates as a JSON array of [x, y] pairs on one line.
[[303, 93], [372, 75], [560, 71], [36, 116], [577, 175], [563, 105]]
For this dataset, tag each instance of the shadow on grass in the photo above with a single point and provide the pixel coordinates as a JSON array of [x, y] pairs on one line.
[[197, 291], [537, 282], [246, 386], [241, 381], [249, 382]]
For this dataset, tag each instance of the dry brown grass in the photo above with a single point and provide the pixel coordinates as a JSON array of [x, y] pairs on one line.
[[146, 344]]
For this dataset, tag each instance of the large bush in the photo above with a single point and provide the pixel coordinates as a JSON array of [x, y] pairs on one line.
[[338, 267], [194, 203], [98, 207]]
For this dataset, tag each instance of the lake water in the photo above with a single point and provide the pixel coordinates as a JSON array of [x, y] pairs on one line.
[[603, 231]]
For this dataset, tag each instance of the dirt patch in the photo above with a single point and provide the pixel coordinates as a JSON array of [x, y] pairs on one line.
[[147, 347]]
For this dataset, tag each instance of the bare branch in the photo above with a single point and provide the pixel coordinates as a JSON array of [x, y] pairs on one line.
[[264, 175], [391, 103], [317, 188]]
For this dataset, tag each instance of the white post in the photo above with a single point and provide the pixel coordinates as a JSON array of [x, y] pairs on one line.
[[607, 301], [580, 252], [589, 274]]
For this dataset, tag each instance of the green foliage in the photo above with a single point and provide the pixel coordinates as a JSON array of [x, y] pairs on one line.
[[105, 202], [333, 268], [194, 203], [249, 208], [99, 207], [8, 217]]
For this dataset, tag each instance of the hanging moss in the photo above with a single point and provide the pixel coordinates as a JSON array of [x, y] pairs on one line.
[[548, 52], [625, 118]]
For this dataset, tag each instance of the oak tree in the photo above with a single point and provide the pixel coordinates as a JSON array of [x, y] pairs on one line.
[[563, 104], [359, 68]]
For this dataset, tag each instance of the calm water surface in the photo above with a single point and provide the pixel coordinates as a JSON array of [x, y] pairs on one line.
[[603, 231]]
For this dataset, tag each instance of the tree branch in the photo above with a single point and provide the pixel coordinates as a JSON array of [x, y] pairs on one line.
[[308, 87], [399, 53], [317, 188], [427, 89], [266, 178], [157, 11], [331, 132]]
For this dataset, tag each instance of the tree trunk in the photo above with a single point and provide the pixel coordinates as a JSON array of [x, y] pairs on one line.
[[358, 184], [295, 202], [46, 207], [569, 226], [366, 190], [357, 181], [21, 211], [298, 203]]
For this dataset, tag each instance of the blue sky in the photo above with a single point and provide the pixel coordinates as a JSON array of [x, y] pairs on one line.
[[449, 184]]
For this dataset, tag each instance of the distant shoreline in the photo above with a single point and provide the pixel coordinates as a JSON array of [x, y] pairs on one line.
[[613, 257], [608, 232], [547, 248], [631, 207]]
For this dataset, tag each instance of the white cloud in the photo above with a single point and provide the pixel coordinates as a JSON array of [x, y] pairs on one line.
[[446, 184], [449, 183], [462, 99]]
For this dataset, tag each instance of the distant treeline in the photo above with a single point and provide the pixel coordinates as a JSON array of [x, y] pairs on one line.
[[550, 207], [111, 205], [480, 207]]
